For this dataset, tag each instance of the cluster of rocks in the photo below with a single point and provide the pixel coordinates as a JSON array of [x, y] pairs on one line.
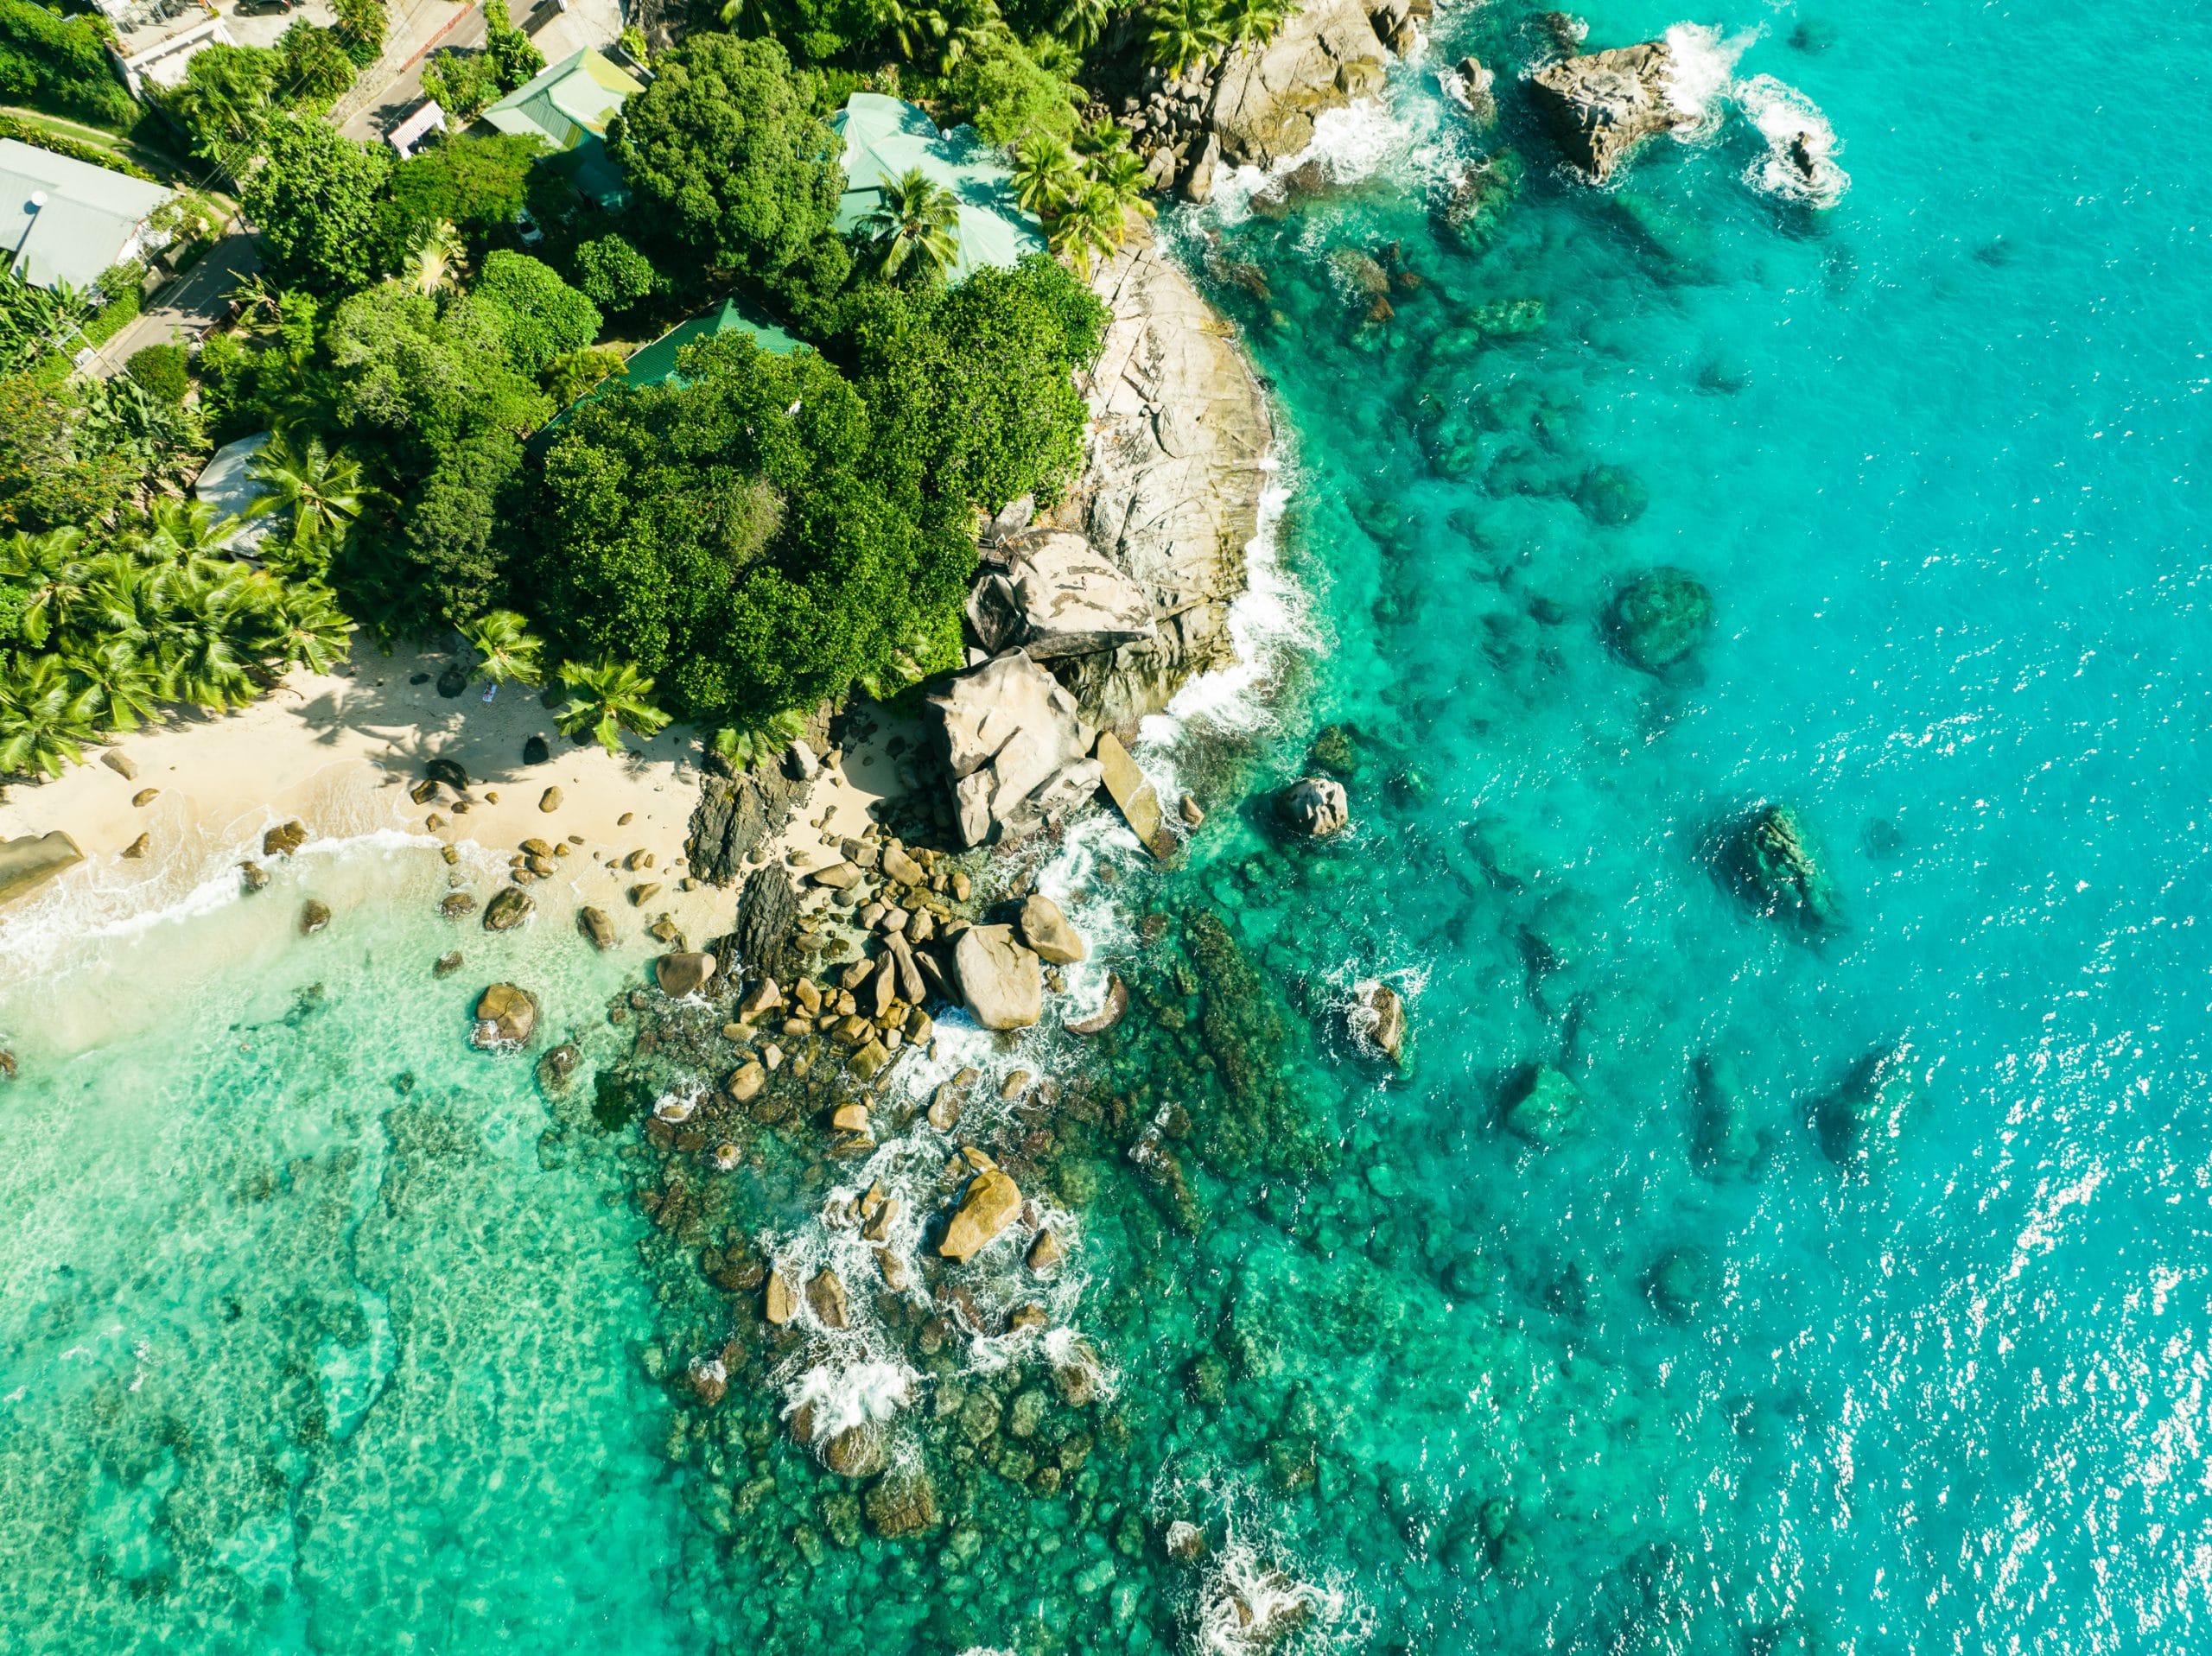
[[1601, 106]]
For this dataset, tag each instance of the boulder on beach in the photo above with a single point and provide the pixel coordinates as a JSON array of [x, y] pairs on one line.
[[505, 1016], [33, 859], [684, 973], [999, 980], [1059, 596], [508, 909], [448, 771], [1018, 750], [535, 751], [283, 839], [1602, 107], [1660, 620], [596, 927], [988, 1205], [1047, 930], [1315, 808], [1776, 864]]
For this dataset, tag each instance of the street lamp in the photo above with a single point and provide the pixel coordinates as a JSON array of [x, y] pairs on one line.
[[30, 218]]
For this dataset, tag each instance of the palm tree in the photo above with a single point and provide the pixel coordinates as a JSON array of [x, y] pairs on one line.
[[506, 649], [45, 717], [207, 618], [1083, 22], [176, 527], [915, 24], [1182, 31], [302, 623], [915, 217], [1046, 176], [322, 491], [572, 373], [745, 748], [606, 698], [125, 687], [1253, 22], [54, 571], [1092, 224], [437, 261], [1126, 179]]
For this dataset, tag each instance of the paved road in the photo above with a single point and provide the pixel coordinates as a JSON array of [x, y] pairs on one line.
[[389, 107], [187, 307]]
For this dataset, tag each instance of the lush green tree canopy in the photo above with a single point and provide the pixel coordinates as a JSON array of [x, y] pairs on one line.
[[540, 315], [476, 183], [739, 537], [313, 67], [612, 273], [419, 380], [975, 380], [725, 144], [60, 63], [1009, 96], [315, 201]]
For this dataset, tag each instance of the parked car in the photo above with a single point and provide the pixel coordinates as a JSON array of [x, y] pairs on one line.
[[526, 227]]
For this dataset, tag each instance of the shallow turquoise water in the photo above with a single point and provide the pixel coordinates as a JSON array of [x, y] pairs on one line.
[[292, 1359]]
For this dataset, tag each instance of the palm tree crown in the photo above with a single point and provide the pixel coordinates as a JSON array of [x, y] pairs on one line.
[[916, 217], [606, 698]]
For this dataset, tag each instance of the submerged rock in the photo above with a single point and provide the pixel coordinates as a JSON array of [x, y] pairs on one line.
[[1721, 1138], [1315, 808], [1679, 1283], [1777, 867], [1660, 620], [1542, 1105], [857, 1452], [903, 1502], [1601, 107], [1860, 1120]]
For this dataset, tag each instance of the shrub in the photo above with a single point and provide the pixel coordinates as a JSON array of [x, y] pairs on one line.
[[57, 63], [612, 273], [161, 370], [540, 315], [361, 25], [313, 67], [462, 83]]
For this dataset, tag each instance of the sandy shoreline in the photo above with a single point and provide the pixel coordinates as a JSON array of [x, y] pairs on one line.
[[340, 754]]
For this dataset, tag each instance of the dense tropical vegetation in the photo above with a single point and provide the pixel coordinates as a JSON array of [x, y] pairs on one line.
[[758, 533]]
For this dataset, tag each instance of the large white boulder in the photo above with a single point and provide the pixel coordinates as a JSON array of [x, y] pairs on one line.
[[1019, 751]]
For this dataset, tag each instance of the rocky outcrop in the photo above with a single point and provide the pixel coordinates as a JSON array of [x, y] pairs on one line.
[[1378, 1018], [1018, 750], [1659, 621], [735, 815], [1602, 107], [683, 974], [987, 1208], [34, 860], [1778, 869], [999, 978], [1171, 494], [1047, 930], [505, 1016], [1057, 597], [767, 914], [1266, 97], [1315, 808]]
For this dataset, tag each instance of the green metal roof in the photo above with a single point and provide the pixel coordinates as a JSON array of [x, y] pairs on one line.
[[884, 138], [569, 106], [656, 363]]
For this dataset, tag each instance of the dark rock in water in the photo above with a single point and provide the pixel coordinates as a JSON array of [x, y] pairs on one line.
[[1813, 35], [596, 927], [1470, 1277], [535, 752], [283, 839], [508, 910], [1315, 808], [1659, 621], [558, 1068], [1610, 495], [1883, 838], [453, 680], [313, 917], [1542, 1105], [903, 1502], [1602, 106], [1776, 865], [856, 1452], [1475, 210], [252, 877], [1722, 1138], [1862, 1119], [735, 815], [446, 965], [1563, 30], [448, 771], [767, 914], [1334, 751], [1679, 1283], [505, 1016], [1512, 1552]]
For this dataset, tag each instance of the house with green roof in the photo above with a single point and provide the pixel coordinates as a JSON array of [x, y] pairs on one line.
[[655, 363], [569, 106], [886, 138]]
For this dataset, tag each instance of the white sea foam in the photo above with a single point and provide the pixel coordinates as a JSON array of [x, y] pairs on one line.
[[845, 1394], [1701, 72], [1800, 163]]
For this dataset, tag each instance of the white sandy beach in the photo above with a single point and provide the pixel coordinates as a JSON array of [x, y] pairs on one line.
[[340, 754]]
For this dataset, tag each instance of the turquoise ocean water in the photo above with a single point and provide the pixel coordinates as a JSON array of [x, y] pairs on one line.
[[321, 1332]]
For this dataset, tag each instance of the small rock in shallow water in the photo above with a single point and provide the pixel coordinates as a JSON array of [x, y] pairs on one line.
[[1660, 620], [446, 965], [508, 910], [782, 1299], [988, 1207], [1187, 1542], [1315, 808], [505, 1016], [1778, 869], [1542, 1105], [313, 917], [137, 848], [284, 839], [596, 927], [456, 904], [252, 876], [681, 974], [1862, 1118]]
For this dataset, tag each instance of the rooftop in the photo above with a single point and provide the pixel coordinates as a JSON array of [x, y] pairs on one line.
[[884, 138], [569, 106], [89, 220]]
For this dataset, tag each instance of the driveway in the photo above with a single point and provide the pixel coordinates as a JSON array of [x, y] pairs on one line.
[[188, 308]]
